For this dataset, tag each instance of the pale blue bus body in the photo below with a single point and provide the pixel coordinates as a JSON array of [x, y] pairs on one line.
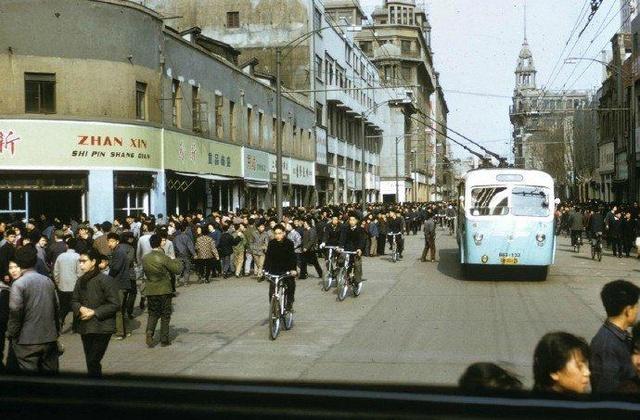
[[506, 217]]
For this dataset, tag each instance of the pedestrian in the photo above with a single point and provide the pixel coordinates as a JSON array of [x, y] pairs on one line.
[[239, 248], [5, 290], [95, 302], [309, 247], [258, 246], [294, 236], [352, 238], [373, 232], [157, 268], [128, 242], [628, 233], [382, 233], [632, 386], [84, 240], [33, 326], [120, 272], [615, 235], [611, 346], [429, 230], [250, 224], [227, 242], [561, 364], [185, 251], [206, 254], [7, 253], [100, 242], [66, 272]]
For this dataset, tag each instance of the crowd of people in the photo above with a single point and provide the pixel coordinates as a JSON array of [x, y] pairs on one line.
[[617, 224], [98, 273]]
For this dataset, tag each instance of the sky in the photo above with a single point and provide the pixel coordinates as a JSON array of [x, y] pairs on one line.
[[476, 46]]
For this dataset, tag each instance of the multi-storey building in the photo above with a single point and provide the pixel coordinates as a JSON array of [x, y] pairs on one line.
[[321, 65], [543, 124], [97, 122], [398, 41]]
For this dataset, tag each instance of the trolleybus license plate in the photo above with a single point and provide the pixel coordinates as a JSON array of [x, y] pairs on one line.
[[508, 260]]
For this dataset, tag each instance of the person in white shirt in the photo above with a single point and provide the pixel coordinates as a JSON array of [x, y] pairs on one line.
[[66, 272]]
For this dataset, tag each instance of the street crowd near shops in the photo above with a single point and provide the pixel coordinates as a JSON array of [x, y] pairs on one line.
[[99, 271]]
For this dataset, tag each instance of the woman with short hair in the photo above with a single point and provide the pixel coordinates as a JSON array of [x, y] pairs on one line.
[[561, 364]]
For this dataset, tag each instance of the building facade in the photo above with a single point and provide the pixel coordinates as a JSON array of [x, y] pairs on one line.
[[97, 123], [323, 68], [398, 41], [543, 125]]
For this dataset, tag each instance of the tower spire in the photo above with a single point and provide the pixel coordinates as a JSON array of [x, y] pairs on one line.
[[525, 21]]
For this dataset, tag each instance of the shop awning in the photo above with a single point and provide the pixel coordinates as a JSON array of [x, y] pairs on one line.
[[257, 184], [210, 177]]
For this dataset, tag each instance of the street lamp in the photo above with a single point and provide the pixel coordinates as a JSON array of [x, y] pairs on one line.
[[280, 54]]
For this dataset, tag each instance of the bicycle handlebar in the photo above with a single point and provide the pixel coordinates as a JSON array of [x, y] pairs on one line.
[[394, 234]]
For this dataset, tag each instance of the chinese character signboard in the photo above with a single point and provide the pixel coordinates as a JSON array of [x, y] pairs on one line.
[[78, 145], [185, 153], [256, 164], [302, 172], [286, 164]]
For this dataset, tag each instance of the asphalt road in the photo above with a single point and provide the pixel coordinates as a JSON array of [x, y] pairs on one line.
[[414, 323]]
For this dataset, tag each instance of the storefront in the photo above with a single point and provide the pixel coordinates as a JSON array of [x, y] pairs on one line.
[[76, 169], [302, 176], [202, 174], [286, 183], [256, 178]]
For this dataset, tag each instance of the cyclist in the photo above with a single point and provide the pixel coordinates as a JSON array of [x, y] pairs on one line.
[[331, 234], [576, 224], [280, 259], [396, 225], [352, 238]]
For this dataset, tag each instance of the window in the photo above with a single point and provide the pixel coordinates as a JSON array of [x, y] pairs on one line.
[[366, 46], [317, 20], [249, 126], [232, 120], [405, 46], [195, 109], [40, 93], [489, 201], [406, 72], [530, 201], [218, 115], [319, 108], [131, 203], [233, 19], [260, 128], [318, 67], [347, 54], [141, 101], [176, 103]]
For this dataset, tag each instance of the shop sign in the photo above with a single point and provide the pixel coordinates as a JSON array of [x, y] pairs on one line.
[[256, 164], [185, 153], [286, 164], [78, 145], [303, 172]]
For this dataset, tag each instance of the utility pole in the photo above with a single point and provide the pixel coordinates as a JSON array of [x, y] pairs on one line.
[[278, 136], [397, 186], [362, 166]]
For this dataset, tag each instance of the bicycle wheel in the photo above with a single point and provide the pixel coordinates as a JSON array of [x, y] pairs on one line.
[[394, 256], [274, 318], [342, 291], [357, 289], [288, 320], [327, 280], [593, 253], [342, 273], [600, 254]]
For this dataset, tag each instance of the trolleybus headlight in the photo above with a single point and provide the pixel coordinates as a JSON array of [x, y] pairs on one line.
[[540, 237], [484, 259], [477, 237]]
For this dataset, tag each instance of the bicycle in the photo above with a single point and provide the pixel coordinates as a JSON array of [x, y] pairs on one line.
[[278, 312], [331, 263], [577, 241], [395, 254], [451, 225], [346, 277], [596, 246]]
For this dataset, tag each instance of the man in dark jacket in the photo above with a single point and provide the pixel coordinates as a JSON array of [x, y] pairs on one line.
[[615, 235], [120, 271], [352, 238], [34, 321], [280, 259], [610, 360], [7, 253], [158, 289], [396, 225], [95, 303], [56, 248], [309, 244], [429, 229], [185, 251]]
